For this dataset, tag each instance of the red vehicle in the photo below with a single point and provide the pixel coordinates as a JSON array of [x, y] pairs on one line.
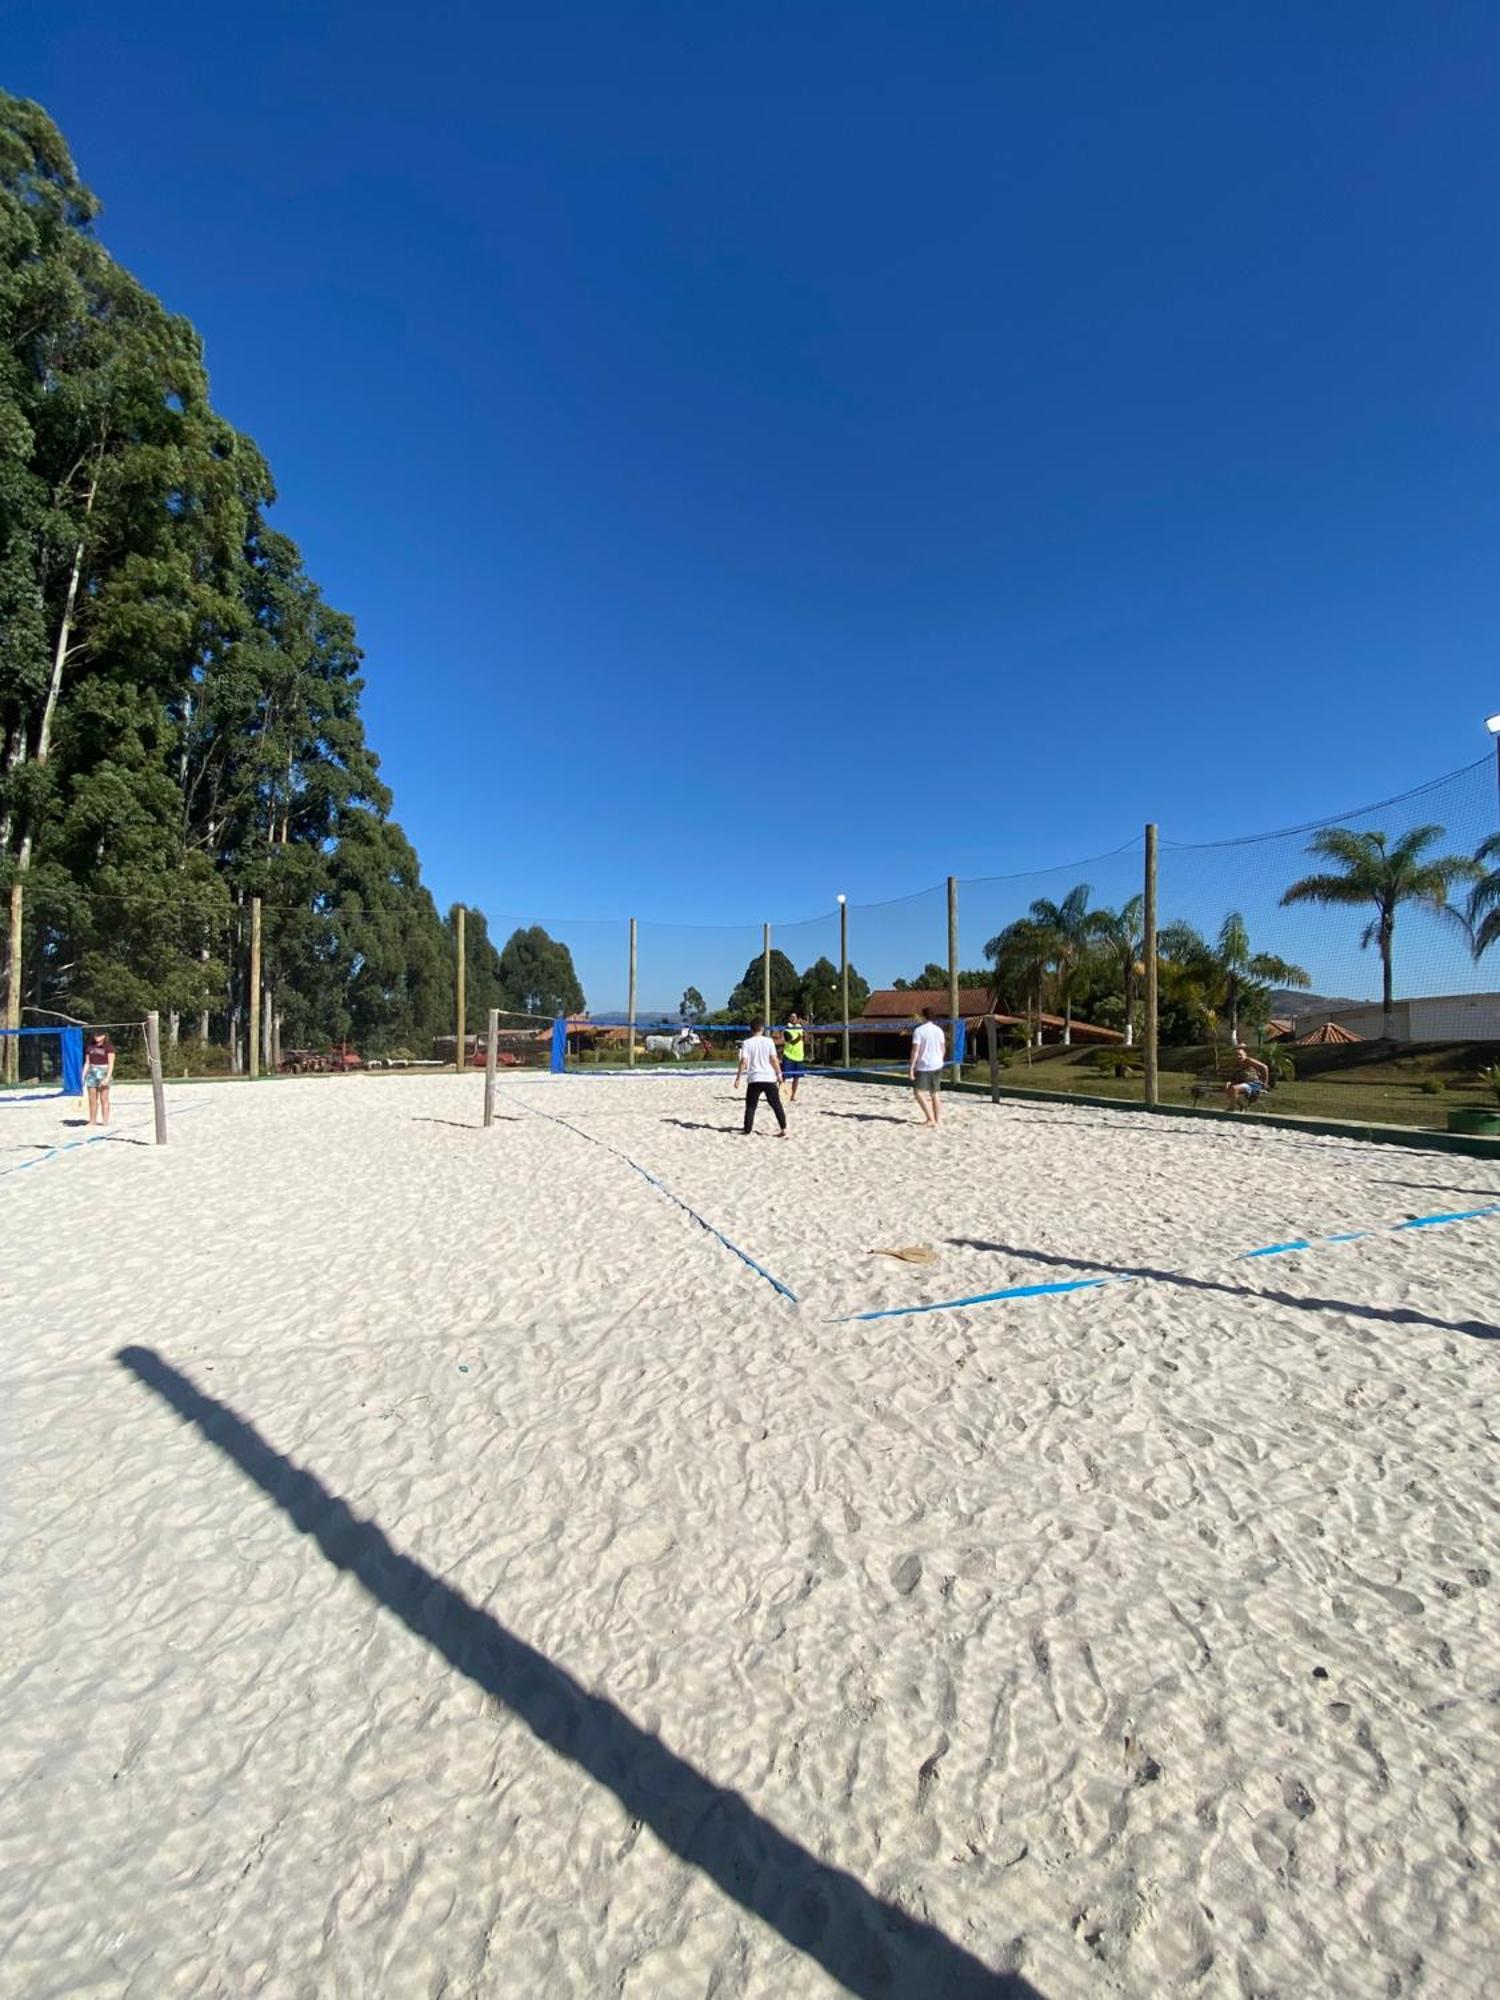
[[341, 1057]]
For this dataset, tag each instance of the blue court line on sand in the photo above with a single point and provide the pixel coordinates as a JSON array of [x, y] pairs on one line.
[[72, 1145], [1132, 1277], [662, 1188]]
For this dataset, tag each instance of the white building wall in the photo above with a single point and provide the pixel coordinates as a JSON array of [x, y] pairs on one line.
[[1443, 1017]]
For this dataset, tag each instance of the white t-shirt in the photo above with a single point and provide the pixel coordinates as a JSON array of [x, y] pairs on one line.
[[929, 1047], [758, 1053]]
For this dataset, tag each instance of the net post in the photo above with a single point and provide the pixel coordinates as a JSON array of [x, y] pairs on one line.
[[994, 1056], [459, 1051], [254, 1038], [153, 1057], [1148, 945], [765, 974], [10, 1054], [630, 1029], [844, 970], [491, 1046], [953, 973]]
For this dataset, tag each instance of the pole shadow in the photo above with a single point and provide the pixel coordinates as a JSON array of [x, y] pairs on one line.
[[1393, 1315], [868, 1117], [869, 1946]]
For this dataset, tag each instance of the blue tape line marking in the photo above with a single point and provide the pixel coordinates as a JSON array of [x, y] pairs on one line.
[[1455, 1215], [1275, 1249], [988, 1298], [72, 1145], [662, 1188], [1348, 1236]]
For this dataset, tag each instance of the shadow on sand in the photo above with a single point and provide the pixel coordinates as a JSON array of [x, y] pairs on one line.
[[870, 1947], [1395, 1315]]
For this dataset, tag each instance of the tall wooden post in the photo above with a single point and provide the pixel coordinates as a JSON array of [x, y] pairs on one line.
[[844, 970], [765, 974], [254, 1048], [1148, 1064], [953, 972], [158, 1091], [630, 1031], [994, 1055], [491, 1052], [460, 1053]]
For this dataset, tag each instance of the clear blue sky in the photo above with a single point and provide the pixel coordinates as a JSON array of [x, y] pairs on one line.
[[786, 449]]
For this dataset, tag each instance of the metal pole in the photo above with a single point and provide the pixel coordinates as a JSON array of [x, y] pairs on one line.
[[765, 974], [844, 971], [255, 986], [953, 972], [460, 995], [630, 1058], [491, 1045], [994, 1056], [158, 1092], [1148, 1064]]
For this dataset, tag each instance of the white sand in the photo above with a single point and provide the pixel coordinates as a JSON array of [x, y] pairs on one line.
[[1140, 1640]]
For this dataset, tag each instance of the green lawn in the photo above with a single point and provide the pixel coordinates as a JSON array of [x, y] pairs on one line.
[[1367, 1084]]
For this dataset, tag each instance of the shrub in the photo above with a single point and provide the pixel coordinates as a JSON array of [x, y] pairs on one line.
[[1432, 1086]]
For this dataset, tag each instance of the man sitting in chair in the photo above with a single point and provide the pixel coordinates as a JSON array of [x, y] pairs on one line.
[[1248, 1080]]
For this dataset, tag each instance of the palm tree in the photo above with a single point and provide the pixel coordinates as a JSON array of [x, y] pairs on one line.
[[1067, 923], [1121, 933], [1246, 971], [1022, 958], [1484, 897], [1387, 874]]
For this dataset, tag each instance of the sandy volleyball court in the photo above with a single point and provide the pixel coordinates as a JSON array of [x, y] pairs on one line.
[[437, 1563]]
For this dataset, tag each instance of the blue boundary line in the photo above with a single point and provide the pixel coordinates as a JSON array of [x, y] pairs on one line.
[[662, 1188], [73, 1145], [1289, 1248]]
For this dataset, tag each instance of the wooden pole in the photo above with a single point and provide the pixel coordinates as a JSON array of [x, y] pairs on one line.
[[254, 1049], [491, 1050], [994, 1055], [460, 1053], [953, 972], [1148, 1064], [844, 971], [630, 1031], [765, 974], [158, 1090]]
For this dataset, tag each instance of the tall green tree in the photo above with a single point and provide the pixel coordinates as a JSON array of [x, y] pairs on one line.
[[1120, 934], [1368, 870], [1226, 977], [820, 996], [1066, 926], [537, 975], [694, 1007], [744, 1003], [1022, 956]]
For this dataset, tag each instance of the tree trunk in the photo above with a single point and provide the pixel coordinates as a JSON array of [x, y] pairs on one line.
[[1387, 988], [43, 750], [174, 1021]]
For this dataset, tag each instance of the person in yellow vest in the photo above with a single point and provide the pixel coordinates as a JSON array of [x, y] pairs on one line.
[[793, 1053]]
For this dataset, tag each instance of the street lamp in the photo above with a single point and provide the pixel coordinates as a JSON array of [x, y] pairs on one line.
[[1492, 724], [844, 971]]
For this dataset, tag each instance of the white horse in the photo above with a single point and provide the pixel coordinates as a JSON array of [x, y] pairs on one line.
[[676, 1046]]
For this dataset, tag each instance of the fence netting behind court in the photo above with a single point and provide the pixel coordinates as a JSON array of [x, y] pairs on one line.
[[1267, 937]]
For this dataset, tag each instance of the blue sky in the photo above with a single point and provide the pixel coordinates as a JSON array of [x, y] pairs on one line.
[[781, 450]]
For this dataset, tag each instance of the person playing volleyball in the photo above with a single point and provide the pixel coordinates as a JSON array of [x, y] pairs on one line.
[[928, 1051], [98, 1074], [761, 1067], [793, 1054]]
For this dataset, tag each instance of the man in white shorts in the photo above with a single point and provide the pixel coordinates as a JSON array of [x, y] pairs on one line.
[[761, 1066], [929, 1051]]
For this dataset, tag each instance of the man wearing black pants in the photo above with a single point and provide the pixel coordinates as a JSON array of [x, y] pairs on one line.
[[760, 1065]]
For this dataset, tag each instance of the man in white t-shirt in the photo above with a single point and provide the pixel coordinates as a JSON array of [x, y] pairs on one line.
[[760, 1065], [929, 1051]]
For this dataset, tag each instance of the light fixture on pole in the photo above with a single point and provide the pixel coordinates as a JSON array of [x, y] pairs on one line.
[[844, 971], [1492, 724]]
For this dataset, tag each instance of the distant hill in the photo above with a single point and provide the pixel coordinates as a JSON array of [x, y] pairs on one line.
[[1290, 1004]]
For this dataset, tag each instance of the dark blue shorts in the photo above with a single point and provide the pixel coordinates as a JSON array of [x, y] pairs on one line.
[[790, 1069]]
